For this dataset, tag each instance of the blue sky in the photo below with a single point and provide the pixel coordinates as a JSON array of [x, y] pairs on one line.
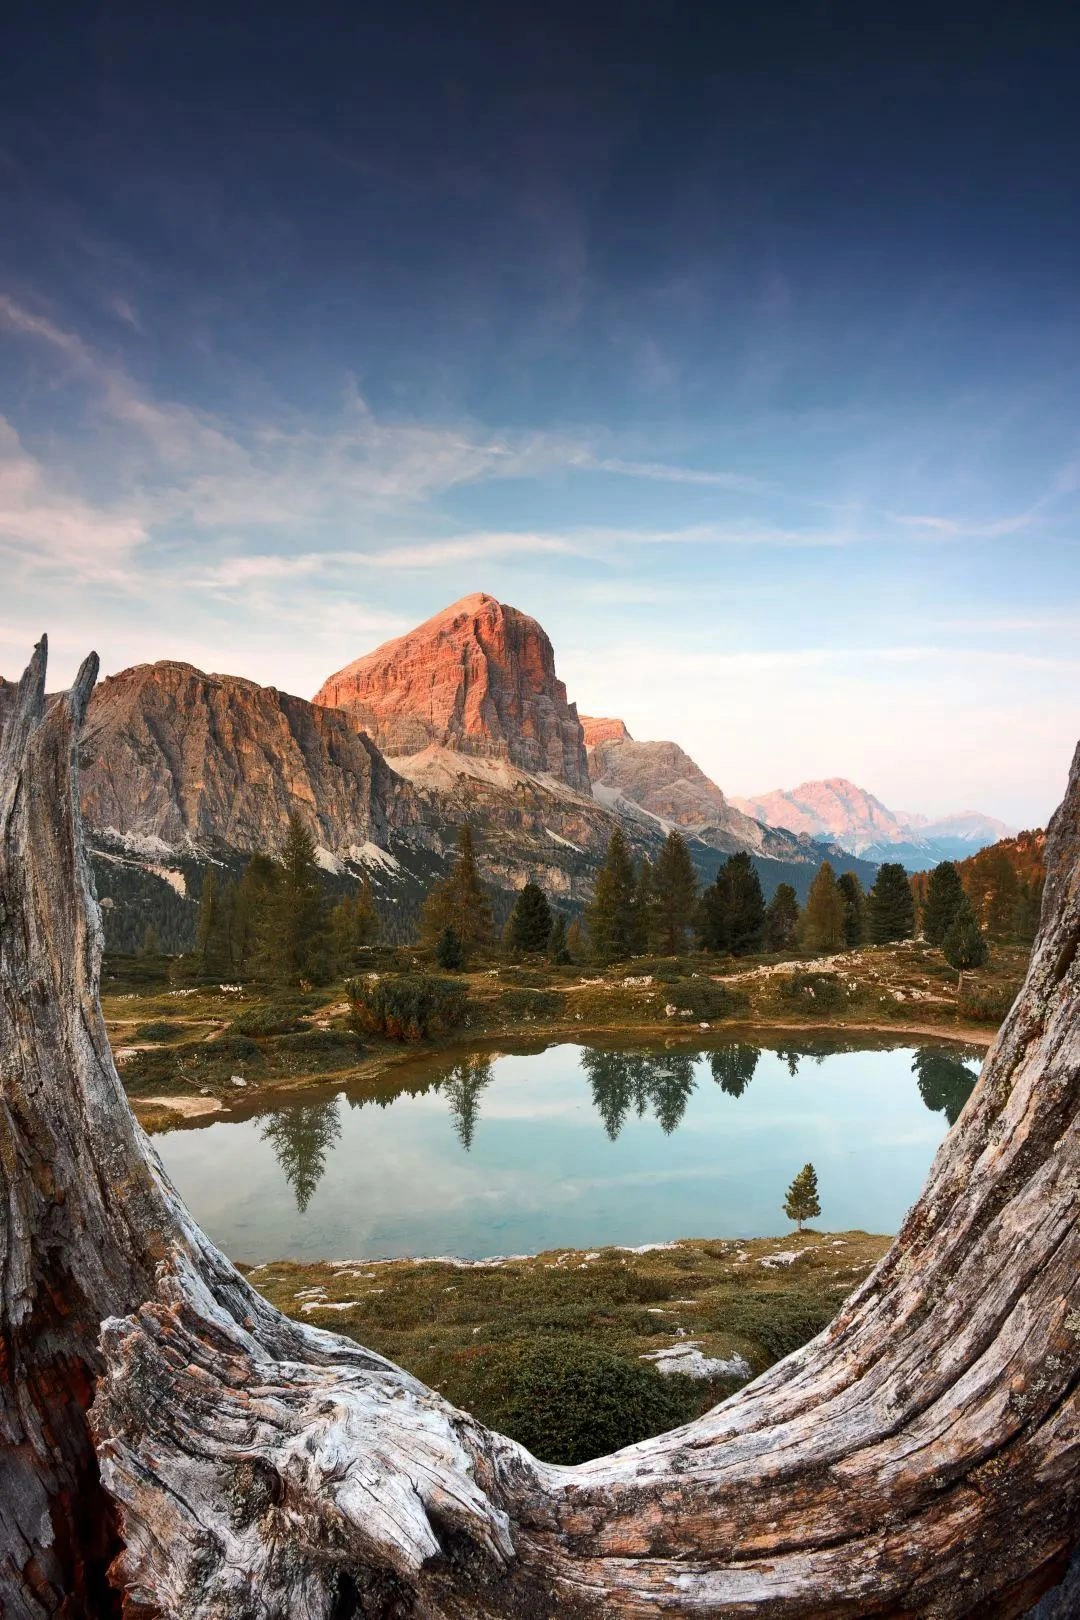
[[741, 352]]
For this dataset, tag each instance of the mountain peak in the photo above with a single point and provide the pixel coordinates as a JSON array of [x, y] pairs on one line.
[[603, 730], [478, 678]]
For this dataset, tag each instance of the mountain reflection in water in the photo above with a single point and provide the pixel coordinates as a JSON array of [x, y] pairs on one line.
[[623, 1084]]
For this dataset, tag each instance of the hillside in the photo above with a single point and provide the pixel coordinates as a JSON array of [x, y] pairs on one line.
[[1004, 883]]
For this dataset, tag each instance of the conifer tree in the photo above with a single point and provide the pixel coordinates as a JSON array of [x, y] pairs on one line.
[[575, 941], [353, 925], [891, 905], [674, 896], [643, 932], [298, 942], [732, 912], [801, 1203], [212, 927], [558, 948], [458, 901], [302, 1140], [611, 915], [854, 902], [530, 921], [782, 919], [822, 925], [150, 946], [964, 945], [252, 911], [944, 892], [449, 953]]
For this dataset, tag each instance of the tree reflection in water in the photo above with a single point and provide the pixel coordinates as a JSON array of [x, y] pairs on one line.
[[945, 1081], [733, 1068], [302, 1138], [463, 1084], [622, 1081]]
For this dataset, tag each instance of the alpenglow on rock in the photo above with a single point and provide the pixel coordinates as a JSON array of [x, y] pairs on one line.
[[478, 678]]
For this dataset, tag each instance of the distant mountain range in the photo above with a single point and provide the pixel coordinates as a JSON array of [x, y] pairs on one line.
[[837, 810], [464, 717]]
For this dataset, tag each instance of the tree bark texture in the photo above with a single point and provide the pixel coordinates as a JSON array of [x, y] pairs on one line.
[[918, 1458]]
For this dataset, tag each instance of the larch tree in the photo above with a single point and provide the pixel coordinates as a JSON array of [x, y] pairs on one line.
[[558, 944], [674, 899], [171, 1445], [822, 924], [354, 924], [458, 901], [298, 942], [802, 1203], [891, 905], [944, 894]]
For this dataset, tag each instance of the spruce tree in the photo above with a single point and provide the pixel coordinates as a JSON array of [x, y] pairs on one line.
[[575, 941], [801, 1203], [854, 900], [298, 942], [891, 905], [212, 929], [558, 948], [964, 945], [944, 892], [353, 925], [822, 925], [643, 931], [458, 901], [732, 912], [252, 914], [449, 953], [674, 896], [530, 921], [611, 915], [782, 919]]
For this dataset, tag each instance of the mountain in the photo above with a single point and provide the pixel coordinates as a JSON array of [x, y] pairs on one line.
[[853, 818], [478, 678], [660, 781]]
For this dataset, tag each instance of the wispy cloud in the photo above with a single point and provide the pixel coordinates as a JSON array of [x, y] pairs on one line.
[[661, 472], [54, 528]]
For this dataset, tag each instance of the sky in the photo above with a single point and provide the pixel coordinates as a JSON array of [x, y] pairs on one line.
[[742, 351]]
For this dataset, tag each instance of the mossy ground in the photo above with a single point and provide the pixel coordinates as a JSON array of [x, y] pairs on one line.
[[182, 1049], [468, 1329]]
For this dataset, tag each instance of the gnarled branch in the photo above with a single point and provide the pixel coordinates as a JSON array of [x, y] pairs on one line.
[[918, 1458]]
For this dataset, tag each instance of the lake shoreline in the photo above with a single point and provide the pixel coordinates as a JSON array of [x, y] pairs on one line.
[[158, 1113]]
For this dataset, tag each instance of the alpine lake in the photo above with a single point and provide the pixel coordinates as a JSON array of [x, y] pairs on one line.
[[513, 1151]]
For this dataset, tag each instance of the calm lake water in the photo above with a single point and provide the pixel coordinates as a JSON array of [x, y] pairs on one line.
[[511, 1153]]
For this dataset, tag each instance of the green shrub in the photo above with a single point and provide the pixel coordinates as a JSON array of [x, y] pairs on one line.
[[567, 1400], [321, 1040], [812, 992], [530, 1003], [280, 1017], [707, 999], [233, 1046], [986, 1003], [160, 1031], [779, 1321], [665, 969], [408, 1007]]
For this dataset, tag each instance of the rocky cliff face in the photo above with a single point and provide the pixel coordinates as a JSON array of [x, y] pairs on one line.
[[197, 761], [660, 780], [478, 678]]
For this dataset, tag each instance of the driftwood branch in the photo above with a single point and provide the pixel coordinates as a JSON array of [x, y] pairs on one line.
[[165, 1433]]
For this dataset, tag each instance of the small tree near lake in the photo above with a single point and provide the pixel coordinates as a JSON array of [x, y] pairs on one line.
[[530, 921], [964, 946], [801, 1203]]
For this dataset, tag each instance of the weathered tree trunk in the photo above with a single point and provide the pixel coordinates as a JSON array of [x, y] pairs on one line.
[[919, 1458]]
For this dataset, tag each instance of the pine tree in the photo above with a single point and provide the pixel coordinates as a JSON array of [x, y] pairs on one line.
[[575, 941], [822, 925], [530, 921], [782, 919], [464, 1084], [643, 930], [448, 952], [733, 1067], [801, 1203], [353, 926], [944, 892], [891, 905], [854, 901], [302, 1140], [298, 941], [964, 945], [211, 929], [458, 901], [252, 912], [674, 896], [150, 946], [732, 912], [558, 948], [611, 916]]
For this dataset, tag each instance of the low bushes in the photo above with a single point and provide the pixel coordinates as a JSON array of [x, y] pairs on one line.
[[526, 1004], [568, 1400], [280, 1017], [779, 1321], [986, 1003], [159, 1031], [812, 992], [707, 999], [407, 1007]]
